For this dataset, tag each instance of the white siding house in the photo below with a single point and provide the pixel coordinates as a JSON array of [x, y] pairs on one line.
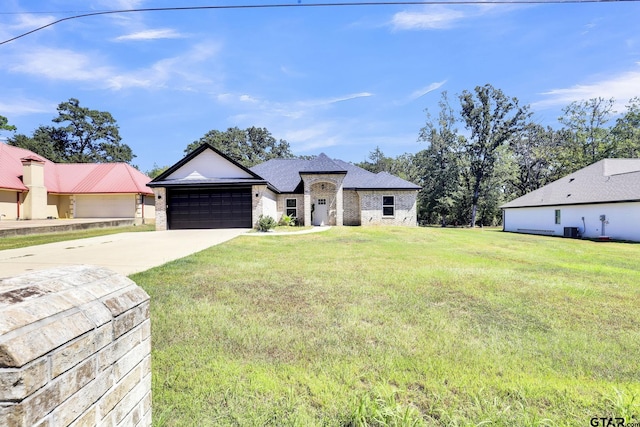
[[599, 201]]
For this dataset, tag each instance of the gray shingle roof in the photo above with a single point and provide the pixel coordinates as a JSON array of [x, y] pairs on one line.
[[322, 164], [284, 174], [609, 180]]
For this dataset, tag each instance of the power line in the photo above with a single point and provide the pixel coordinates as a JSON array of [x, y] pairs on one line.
[[79, 15]]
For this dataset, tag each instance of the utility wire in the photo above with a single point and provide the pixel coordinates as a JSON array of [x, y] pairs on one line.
[[299, 4]]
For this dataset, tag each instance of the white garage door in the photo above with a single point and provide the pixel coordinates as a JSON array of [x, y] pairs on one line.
[[106, 206]]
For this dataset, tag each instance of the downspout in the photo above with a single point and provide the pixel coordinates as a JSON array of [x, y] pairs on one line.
[[142, 202], [18, 193]]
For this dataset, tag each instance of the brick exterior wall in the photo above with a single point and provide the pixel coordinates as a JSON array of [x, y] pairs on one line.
[[405, 208], [263, 202], [282, 205], [351, 208], [75, 349]]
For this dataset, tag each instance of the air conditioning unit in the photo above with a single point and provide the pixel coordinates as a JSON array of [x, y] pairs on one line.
[[571, 232]]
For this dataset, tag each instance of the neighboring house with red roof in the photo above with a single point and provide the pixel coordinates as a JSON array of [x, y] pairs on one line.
[[600, 200], [207, 189], [32, 187]]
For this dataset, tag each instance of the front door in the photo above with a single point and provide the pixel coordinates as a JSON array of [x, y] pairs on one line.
[[321, 214]]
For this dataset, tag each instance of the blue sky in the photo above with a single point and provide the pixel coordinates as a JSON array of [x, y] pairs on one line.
[[338, 80]]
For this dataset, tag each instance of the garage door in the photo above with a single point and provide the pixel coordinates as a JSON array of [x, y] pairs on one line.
[[207, 208], [105, 206]]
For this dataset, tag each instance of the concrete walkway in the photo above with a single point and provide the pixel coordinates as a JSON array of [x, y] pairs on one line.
[[125, 253], [315, 229]]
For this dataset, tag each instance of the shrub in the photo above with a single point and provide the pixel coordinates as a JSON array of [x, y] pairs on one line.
[[288, 220], [266, 223]]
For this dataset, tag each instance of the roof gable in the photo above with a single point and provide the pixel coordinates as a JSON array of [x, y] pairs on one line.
[[206, 163], [609, 180]]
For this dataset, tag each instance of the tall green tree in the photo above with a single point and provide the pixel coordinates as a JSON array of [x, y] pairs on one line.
[[248, 147], [626, 132], [589, 140], [84, 136], [4, 124], [440, 164], [492, 118], [156, 171], [376, 162], [534, 152], [45, 141]]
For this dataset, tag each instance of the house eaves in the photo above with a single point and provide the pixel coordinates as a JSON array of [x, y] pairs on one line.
[[607, 181]]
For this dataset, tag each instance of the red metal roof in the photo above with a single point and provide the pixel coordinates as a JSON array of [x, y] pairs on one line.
[[72, 178]]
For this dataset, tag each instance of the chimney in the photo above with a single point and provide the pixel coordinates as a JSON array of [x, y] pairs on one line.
[[35, 202]]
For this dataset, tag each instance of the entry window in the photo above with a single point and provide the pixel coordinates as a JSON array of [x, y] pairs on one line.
[[292, 208], [388, 205], [558, 216], [322, 201]]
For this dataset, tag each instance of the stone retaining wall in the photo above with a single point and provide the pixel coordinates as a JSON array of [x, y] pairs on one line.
[[75, 349]]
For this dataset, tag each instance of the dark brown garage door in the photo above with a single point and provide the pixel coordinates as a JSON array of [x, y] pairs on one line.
[[209, 208]]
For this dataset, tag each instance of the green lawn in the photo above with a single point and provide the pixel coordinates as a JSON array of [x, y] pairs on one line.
[[397, 326], [15, 242]]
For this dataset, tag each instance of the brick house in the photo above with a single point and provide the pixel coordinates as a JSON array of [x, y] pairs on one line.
[[206, 189]]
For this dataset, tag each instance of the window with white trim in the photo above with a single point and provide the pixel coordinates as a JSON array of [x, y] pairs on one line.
[[388, 205], [292, 208], [558, 217]]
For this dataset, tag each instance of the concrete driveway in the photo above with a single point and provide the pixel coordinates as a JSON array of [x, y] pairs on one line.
[[125, 253]]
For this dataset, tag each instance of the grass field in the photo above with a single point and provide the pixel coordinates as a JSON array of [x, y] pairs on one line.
[[397, 326], [15, 242]]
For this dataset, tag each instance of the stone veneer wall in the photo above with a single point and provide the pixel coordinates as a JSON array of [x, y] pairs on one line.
[[161, 208], [75, 349]]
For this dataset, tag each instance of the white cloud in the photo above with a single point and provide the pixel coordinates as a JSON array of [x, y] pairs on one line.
[[180, 72], [60, 64], [160, 33], [432, 18], [329, 101], [425, 90], [307, 133], [122, 4], [439, 17], [19, 107], [621, 87], [248, 98], [289, 110], [29, 22]]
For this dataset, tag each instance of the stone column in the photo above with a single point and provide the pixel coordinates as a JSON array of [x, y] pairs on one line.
[[161, 208], [35, 202], [307, 204]]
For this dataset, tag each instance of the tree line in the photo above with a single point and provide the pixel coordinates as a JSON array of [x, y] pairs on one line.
[[84, 135], [486, 149], [483, 149]]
